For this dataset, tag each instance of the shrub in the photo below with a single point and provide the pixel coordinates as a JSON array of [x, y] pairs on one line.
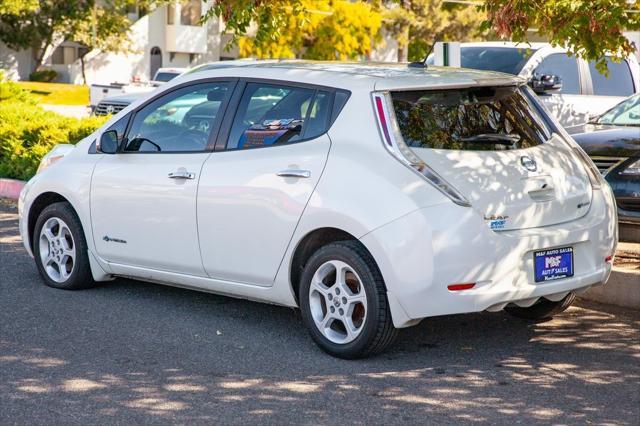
[[28, 132], [43, 75]]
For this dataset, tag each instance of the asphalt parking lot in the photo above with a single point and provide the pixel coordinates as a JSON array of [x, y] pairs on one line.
[[134, 353]]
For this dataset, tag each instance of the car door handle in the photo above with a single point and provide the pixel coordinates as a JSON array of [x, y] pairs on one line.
[[294, 173], [182, 175]]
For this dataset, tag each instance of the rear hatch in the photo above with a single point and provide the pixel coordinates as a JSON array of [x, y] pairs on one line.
[[493, 146]]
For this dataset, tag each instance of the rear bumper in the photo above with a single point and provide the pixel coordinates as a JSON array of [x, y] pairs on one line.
[[422, 253]]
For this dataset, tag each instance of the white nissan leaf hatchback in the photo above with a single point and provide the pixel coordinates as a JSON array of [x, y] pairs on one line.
[[370, 196]]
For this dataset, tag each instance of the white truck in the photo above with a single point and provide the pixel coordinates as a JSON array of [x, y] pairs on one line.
[[98, 92]]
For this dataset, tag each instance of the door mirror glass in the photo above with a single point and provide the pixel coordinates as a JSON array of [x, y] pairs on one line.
[[546, 83], [108, 143]]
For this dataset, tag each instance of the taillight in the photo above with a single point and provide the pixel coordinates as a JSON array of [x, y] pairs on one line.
[[594, 174], [458, 287], [395, 144]]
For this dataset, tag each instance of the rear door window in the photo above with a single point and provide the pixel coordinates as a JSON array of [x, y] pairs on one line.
[[479, 118], [564, 66], [618, 83], [270, 114]]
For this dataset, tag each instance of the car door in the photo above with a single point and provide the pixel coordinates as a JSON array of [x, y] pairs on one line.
[[567, 104], [143, 198], [606, 91], [252, 194]]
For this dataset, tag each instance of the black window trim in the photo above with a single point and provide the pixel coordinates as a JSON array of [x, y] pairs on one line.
[[219, 136], [223, 135], [233, 81]]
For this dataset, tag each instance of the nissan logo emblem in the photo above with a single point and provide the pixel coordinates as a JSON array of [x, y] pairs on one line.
[[528, 163]]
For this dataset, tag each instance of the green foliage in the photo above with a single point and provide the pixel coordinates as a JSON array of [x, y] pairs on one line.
[[589, 29], [270, 17], [417, 24], [39, 25], [320, 29], [43, 75], [28, 132]]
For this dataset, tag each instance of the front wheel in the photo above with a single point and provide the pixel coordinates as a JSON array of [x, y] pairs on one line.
[[344, 301], [60, 248], [542, 309]]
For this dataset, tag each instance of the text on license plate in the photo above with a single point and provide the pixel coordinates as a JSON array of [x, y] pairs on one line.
[[553, 264]]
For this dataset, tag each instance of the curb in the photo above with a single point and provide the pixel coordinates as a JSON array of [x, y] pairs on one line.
[[622, 289], [10, 188]]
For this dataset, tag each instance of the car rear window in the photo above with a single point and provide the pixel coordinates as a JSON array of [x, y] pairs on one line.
[[479, 119]]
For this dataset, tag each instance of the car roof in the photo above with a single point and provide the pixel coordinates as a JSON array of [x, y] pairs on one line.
[[171, 69], [510, 44], [350, 75]]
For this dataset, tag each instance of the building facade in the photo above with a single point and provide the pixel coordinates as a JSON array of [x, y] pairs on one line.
[[168, 36]]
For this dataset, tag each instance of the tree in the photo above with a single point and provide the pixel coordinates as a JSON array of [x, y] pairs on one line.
[[39, 25], [319, 29], [588, 28], [417, 24]]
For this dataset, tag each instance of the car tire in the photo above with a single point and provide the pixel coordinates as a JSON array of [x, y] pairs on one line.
[[350, 317], [60, 248], [543, 309]]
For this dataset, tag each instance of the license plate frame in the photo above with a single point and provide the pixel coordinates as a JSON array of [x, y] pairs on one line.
[[553, 264]]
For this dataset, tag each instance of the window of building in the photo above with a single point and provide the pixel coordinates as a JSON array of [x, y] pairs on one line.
[[191, 12]]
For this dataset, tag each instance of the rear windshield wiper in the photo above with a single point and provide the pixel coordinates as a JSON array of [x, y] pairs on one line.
[[499, 138]]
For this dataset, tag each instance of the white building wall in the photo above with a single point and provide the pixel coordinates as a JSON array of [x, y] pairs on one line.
[[17, 65]]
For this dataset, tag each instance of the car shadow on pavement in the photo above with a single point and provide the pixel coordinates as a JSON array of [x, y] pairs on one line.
[[132, 352]]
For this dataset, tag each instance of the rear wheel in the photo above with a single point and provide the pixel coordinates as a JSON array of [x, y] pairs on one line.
[[542, 309], [60, 248], [344, 301]]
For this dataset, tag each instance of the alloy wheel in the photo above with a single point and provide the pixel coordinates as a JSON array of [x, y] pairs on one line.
[[57, 249], [338, 302]]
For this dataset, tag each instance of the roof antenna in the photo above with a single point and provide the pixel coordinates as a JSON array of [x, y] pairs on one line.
[[423, 63]]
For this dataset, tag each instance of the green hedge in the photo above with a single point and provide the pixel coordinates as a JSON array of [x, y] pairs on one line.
[[28, 132]]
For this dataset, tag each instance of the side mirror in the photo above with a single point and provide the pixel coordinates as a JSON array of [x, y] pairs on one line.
[[108, 143], [545, 83]]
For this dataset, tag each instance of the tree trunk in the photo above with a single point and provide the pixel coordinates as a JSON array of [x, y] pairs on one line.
[[403, 50], [39, 57], [403, 53], [84, 76]]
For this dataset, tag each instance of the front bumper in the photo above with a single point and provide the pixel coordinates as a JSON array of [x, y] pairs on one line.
[[422, 253]]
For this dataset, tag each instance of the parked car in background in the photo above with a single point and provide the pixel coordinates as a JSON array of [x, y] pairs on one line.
[[166, 74], [612, 140], [572, 89], [116, 103], [371, 196], [107, 99]]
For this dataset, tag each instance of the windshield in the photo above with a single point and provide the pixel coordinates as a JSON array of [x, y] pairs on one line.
[[478, 118], [626, 113], [509, 60], [165, 76]]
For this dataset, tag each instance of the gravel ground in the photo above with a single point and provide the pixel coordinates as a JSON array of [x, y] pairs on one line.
[[134, 353]]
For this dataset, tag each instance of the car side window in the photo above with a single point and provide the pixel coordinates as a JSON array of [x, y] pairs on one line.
[[618, 83], [564, 66], [270, 114], [180, 121]]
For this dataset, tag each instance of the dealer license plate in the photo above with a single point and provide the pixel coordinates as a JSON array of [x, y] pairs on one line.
[[553, 264]]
